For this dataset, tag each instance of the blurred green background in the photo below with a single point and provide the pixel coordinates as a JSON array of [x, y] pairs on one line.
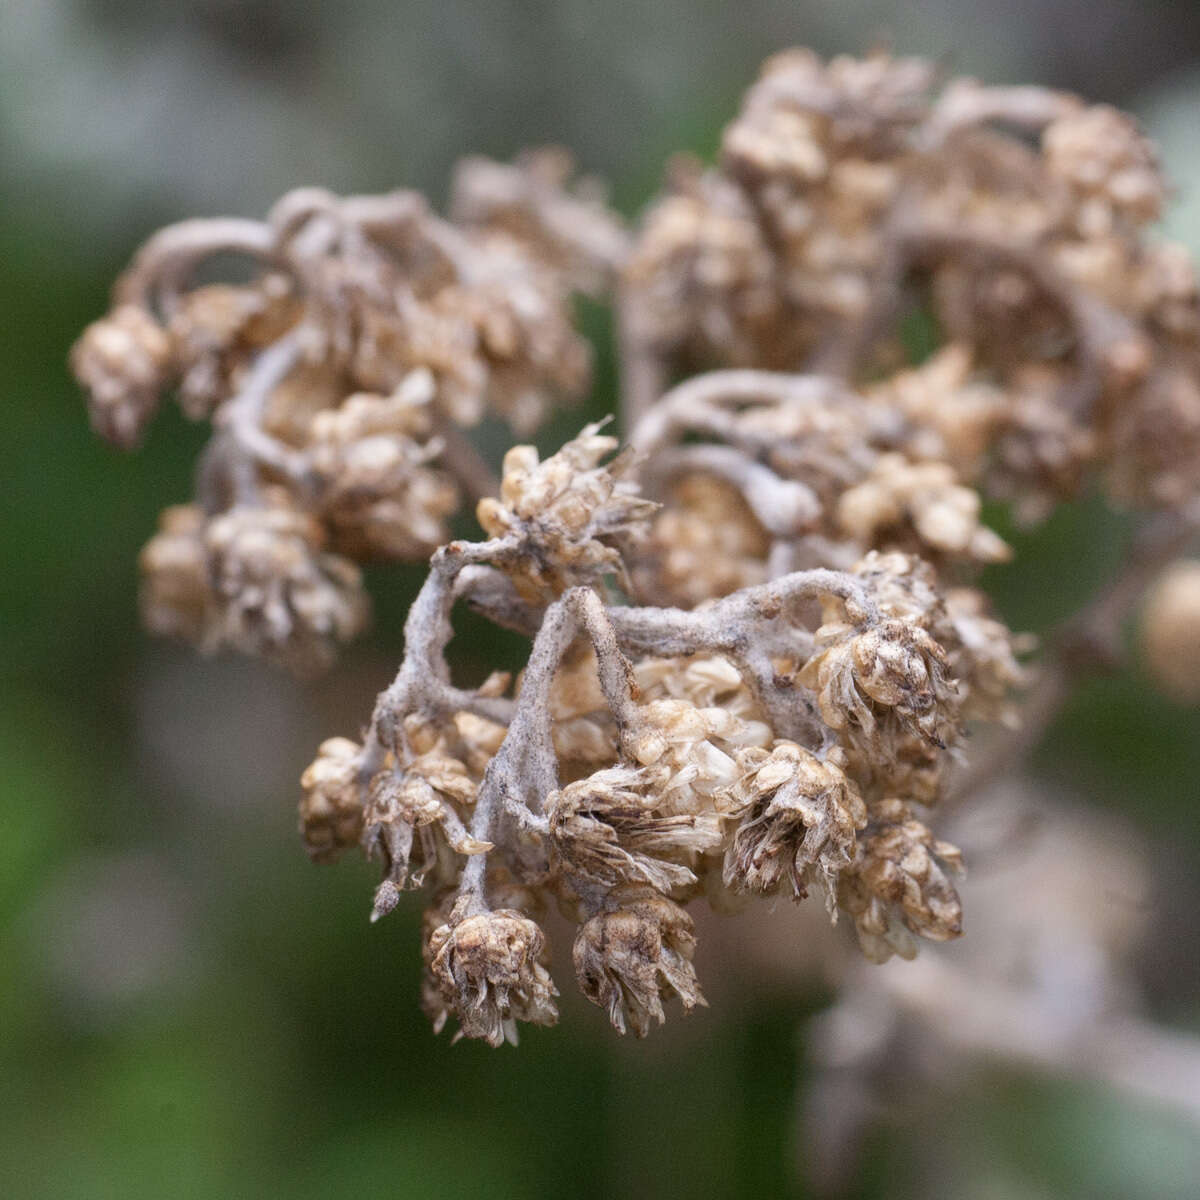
[[188, 1008]]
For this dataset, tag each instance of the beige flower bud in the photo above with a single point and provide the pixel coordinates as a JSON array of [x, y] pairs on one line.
[[331, 810], [124, 360], [379, 494], [1101, 153], [800, 822], [704, 544], [176, 597], [628, 961], [898, 886], [379, 497], [1170, 631], [216, 328], [943, 514], [488, 970]]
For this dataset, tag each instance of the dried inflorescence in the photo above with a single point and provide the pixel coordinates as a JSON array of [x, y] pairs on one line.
[[341, 375], [852, 195], [651, 757], [487, 968], [757, 646], [801, 821], [898, 885]]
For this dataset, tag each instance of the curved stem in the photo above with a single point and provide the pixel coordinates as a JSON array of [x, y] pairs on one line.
[[166, 260], [239, 421], [697, 403], [783, 507]]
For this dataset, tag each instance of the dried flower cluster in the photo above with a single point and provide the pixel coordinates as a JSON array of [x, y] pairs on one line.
[[848, 196], [756, 639], [338, 381]]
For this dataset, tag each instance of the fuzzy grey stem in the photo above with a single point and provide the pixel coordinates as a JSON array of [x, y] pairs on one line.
[[424, 679], [696, 404], [524, 770], [966, 104], [729, 623], [240, 443], [165, 261], [783, 507]]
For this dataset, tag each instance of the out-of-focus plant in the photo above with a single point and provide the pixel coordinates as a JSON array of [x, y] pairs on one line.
[[756, 639]]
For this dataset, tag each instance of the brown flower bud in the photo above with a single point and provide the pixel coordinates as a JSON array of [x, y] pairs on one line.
[[898, 886], [331, 810], [176, 597], [1170, 631], [629, 960], [800, 822], [488, 969], [124, 361]]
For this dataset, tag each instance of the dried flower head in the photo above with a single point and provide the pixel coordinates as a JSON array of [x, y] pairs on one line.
[[563, 516], [488, 971], [942, 514], [610, 828], [279, 595], [123, 361], [874, 683], [629, 960], [218, 328], [420, 804], [331, 811], [801, 818], [898, 885], [176, 594], [754, 635], [379, 493]]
